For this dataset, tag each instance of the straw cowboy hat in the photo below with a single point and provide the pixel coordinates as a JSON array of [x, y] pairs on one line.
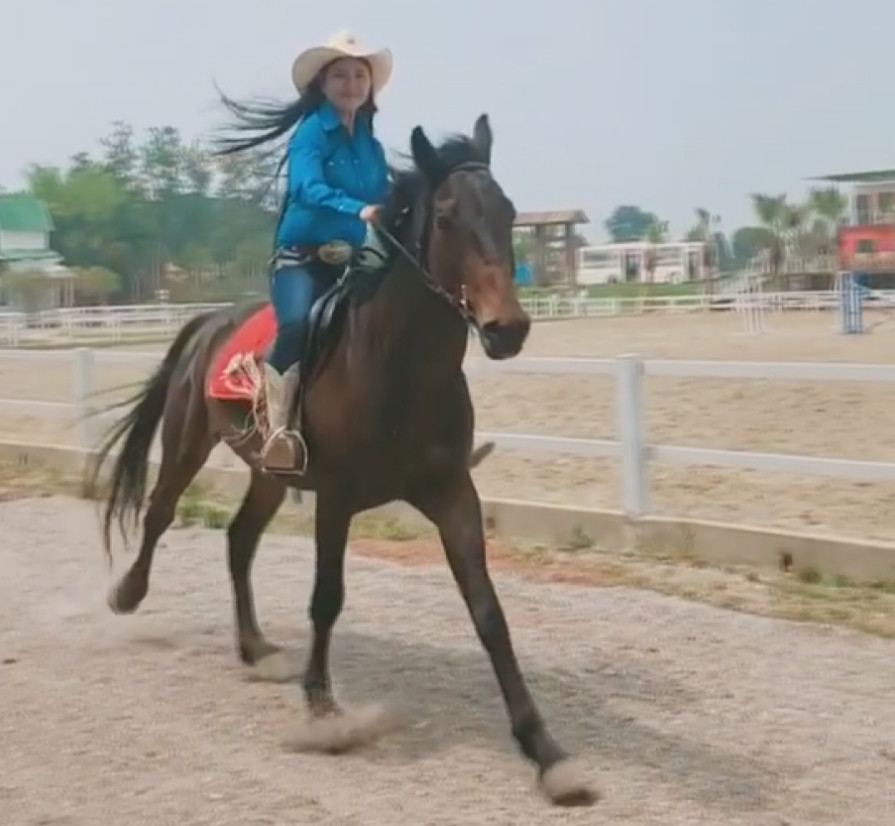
[[342, 44]]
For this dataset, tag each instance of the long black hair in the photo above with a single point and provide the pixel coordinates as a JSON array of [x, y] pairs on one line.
[[263, 120]]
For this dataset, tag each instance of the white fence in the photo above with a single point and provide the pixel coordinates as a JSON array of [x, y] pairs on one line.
[[112, 323], [122, 323], [630, 449]]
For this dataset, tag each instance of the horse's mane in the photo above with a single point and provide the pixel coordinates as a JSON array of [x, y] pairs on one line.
[[409, 189], [409, 183]]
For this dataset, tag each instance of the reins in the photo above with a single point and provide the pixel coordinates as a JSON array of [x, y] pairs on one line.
[[458, 303]]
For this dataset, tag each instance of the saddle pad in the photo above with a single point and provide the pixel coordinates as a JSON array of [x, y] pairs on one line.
[[251, 339]]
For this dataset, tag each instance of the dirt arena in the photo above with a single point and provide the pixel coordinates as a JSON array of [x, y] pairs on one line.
[[834, 419], [686, 715]]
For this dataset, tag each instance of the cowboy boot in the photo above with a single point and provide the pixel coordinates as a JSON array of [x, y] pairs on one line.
[[284, 449]]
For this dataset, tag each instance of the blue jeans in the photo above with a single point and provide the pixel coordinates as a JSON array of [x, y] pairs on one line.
[[293, 291]]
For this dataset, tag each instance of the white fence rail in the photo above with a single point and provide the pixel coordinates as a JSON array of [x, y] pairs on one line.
[[122, 323], [630, 449]]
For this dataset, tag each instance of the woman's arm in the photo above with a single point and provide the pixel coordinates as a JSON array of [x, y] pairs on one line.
[[306, 182]]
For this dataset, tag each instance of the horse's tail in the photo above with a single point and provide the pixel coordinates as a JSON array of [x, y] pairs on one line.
[[128, 478]]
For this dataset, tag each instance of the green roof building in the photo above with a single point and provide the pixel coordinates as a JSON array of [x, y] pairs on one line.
[[25, 252], [25, 227]]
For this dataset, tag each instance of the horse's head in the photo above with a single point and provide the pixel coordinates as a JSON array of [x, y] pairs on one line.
[[468, 236]]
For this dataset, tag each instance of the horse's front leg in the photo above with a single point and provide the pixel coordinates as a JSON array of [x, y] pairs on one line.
[[330, 728], [454, 507]]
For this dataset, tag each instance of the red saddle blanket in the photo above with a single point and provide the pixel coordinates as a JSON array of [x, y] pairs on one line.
[[228, 379]]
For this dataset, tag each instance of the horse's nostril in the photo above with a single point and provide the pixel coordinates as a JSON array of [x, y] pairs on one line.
[[505, 338]]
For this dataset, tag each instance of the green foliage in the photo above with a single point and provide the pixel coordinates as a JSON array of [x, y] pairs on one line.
[[657, 231], [136, 212], [97, 283], [782, 228], [629, 223], [160, 212], [747, 242]]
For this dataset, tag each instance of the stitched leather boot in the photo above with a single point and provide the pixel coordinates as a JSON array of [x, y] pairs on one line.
[[284, 449]]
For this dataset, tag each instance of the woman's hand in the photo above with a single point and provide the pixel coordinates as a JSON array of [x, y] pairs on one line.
[[370, 213]]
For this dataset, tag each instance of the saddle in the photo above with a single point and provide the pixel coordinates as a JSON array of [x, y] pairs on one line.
[[358, 283], [235, 375]]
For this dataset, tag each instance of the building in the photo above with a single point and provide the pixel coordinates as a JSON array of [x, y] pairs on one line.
[[25, 254], [25, 227], [546, 244], [866, 238], [676, 262]]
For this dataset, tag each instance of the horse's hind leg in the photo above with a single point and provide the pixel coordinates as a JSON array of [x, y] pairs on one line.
[[261, 502], [178, 469]]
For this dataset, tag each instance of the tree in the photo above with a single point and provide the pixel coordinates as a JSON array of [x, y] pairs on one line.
[[704, 232], [830, 206], [655, 235], [629, 223], [143, 208], [747, 242], [84, 201], [97, 283], [774, 213], [121, 158]]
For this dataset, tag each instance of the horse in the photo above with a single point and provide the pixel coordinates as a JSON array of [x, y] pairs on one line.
[[385, 412]]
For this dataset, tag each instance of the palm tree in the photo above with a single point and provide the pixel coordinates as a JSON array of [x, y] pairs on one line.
[[830, 206], [797, 240], [706, 232], [776, 216], [655, 235]]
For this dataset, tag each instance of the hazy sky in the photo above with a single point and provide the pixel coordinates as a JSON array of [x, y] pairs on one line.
[[668, 104]]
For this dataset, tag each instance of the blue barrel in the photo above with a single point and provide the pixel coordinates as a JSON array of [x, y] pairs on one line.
[[851, 303], [524, 275]]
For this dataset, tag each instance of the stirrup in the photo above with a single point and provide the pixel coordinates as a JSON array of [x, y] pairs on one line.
[[285, 451]]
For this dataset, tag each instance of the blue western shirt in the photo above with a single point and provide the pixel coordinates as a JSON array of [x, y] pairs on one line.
[[331, 176]]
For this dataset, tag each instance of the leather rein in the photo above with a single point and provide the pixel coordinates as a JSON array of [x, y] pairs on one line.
[[417, 258]]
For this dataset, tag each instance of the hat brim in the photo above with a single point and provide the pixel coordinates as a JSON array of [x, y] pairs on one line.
[[311, 61]]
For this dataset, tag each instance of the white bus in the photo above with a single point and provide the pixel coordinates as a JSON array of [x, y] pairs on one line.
[[676, 262]]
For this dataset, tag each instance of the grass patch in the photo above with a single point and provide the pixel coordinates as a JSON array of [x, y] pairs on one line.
[[620, 290], [95, 343], [805, 594]]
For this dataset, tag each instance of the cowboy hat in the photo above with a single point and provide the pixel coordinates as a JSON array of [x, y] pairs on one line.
[[342, 44]]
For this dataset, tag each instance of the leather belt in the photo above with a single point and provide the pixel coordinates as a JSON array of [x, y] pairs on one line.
[[334, 253]]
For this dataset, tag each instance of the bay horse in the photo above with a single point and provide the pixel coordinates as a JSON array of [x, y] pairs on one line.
[[385, 411]]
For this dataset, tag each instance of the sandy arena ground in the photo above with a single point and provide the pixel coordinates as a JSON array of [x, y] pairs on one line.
[[842, 420], [687, 715]]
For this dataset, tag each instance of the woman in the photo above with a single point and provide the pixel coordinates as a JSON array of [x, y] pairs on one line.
[[337, 175]]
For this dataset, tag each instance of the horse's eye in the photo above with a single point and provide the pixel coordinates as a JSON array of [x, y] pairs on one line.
[[444, 213]]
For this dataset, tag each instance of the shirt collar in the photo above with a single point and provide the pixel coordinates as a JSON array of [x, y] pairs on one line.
[[330, 120], [329, 117]]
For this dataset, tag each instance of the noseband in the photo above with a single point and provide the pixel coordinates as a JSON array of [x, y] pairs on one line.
[[420, 235]]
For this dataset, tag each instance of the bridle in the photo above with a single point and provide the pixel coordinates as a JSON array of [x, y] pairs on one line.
[[417, 258]]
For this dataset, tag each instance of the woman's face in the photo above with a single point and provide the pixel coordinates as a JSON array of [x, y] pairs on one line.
[[347, 83]]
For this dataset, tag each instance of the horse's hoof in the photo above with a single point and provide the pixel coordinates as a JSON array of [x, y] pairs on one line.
[[276, 667], [565, 784], [341, 732], [124, 599]]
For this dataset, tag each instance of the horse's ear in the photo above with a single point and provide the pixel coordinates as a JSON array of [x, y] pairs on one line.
[[424, 155], [482, 137]]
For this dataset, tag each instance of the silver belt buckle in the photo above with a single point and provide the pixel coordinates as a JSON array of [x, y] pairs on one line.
[[335, 252]]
